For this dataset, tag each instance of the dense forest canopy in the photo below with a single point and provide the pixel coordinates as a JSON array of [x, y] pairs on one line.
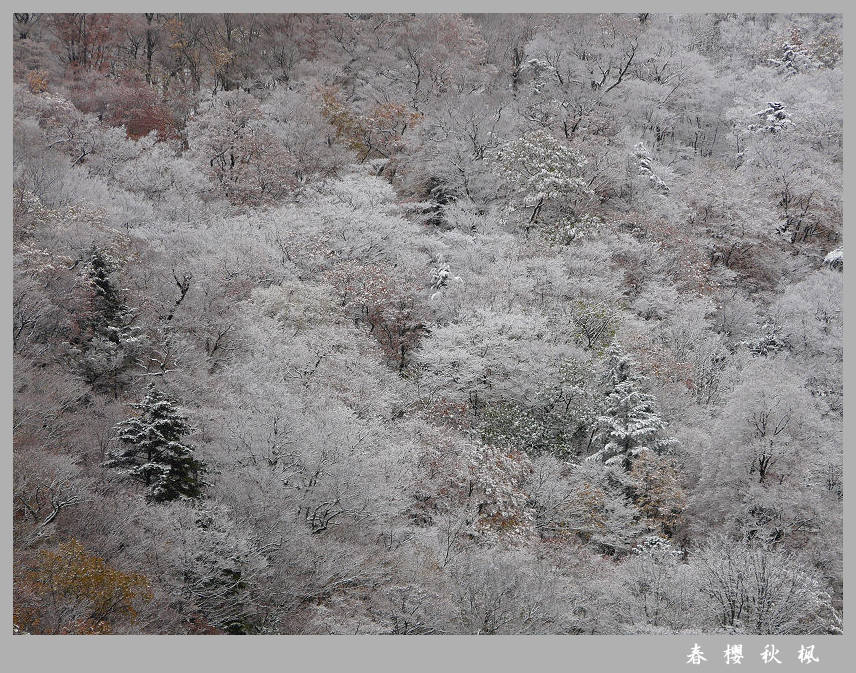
[[427, 323]]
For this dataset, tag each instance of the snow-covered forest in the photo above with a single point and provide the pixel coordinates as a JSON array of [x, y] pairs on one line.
[[427, 324]]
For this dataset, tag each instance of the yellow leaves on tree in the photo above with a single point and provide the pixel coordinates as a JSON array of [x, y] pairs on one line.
[[71, 591], [221, 58], [377, 132], [37, 81], [175, 28]]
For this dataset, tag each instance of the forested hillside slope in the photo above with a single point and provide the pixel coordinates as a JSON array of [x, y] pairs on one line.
[[427, 324]]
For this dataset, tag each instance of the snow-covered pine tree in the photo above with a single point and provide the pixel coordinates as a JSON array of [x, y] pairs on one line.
[[794, 57], [631, 424], [773, 119], [154, 453], [835, 260], [646, 167], [109, 344], [109, 303]]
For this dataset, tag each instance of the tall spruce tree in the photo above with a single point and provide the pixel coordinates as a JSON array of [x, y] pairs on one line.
[[154, 453], [108, 345], [631, 424]]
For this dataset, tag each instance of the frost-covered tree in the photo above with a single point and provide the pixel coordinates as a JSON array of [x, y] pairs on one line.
[[754, 589], [768, 420], [155, 453], [587, 502], [761, 473], [508, 593], [594, 323], [655, 592], [543, 171], [631, 424], [212, 566], [245, 160]]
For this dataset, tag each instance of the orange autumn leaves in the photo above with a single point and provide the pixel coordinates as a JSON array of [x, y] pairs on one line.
[[379, 131], [69, 591]]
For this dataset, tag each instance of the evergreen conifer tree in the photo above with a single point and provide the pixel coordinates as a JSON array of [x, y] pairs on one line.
[[109, 345], [631, 424], [154, 453]]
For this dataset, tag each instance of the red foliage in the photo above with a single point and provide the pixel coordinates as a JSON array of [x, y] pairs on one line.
[[140, 110], [86, 41], [124, 101]]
